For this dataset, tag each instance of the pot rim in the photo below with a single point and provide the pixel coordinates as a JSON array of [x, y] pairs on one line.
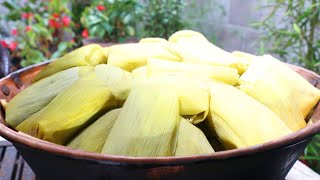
[[31, 142]]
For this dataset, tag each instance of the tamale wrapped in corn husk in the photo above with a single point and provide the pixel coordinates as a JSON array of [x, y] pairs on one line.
[[94, 136], [305, 94], [89, 55], [147, 124], [118, 80], [193, 96], [196, 49], [39, 94], [218, 73], [241, 121], [186, 34], [153, 40], [70, 111], [140, 72], [267, 85], [191, 140], [134, 55]]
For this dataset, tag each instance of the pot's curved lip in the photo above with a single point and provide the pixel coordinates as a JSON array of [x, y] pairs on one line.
[[28, 141]]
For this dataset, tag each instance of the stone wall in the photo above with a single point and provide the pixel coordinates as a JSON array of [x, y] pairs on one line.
[[231, 26]]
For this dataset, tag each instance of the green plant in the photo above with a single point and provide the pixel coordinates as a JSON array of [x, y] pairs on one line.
[[161, 18], [311, 154], [110, 20], [39, 29], [292, 31]]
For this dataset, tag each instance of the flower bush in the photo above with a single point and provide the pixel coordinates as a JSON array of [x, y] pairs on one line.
[[110, 20], [40, 30]]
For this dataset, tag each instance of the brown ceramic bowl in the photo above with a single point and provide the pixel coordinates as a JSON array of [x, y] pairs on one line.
[[271, 160]]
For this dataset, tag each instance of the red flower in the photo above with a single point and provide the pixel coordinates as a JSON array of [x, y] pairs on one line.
[[101, 8], [28, 28], [3, 43], [55, 15], [53, 23], [14, 32], [26, 15], [13, 46], [85, 33], [66, 21]]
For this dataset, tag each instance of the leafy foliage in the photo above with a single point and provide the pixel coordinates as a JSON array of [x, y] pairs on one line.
[[292, 31], [161, 18], [312, 154], [40, 29], [110, 20]]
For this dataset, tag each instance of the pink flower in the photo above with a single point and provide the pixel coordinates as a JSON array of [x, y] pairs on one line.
[[14, 32], [85, 33], [66, 21], [13, 46], [28, 28], [3, 43], [101, 8], [72, 41]]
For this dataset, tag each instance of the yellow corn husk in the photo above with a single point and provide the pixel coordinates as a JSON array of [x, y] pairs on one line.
[[140, 72], [305, 94], [118, 80], [39, 94], [265, 84], [195, 49], [70, 111], [147, 124], [187, 34], [90, 55], [218, 73], [132, 56], [191, 140], [193, 96], [94, 136], [153, 40], [241, 121], [310, 122]]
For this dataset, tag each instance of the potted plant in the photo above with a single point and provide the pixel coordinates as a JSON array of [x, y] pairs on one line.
[[40, 30], [108, 22]]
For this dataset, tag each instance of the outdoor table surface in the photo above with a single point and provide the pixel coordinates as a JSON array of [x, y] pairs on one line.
[[13, 167]]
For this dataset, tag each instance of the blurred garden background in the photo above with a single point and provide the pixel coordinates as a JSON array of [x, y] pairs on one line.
[[35, 30]]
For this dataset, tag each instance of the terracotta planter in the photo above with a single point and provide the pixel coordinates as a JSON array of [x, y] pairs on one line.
[[271, 160], [103, 43]]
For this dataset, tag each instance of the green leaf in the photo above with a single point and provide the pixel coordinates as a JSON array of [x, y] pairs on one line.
[[130, 31], [9, 5], [296, 28]]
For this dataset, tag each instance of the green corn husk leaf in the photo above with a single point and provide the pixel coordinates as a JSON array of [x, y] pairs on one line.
[[147, 124], [191, 140], [264, 83], [119, 81], [241, 121], [218, 73], [90, 55], [70, 111], [94, 136], [134, 55], [193, 47], [39, 94]]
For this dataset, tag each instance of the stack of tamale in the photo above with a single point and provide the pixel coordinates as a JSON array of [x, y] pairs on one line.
[[157, 97]]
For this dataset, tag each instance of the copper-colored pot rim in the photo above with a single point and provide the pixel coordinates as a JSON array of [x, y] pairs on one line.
[[38, 144]]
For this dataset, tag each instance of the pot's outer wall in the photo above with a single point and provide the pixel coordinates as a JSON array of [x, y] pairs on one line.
[[268, 165], [271, 160]]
